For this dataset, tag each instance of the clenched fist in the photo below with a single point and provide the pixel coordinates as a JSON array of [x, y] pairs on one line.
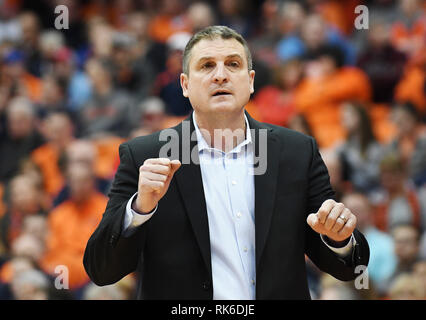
[[333, 220], [154, 180]]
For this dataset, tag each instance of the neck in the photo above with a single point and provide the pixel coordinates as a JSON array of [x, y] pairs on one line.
[[224, 131]]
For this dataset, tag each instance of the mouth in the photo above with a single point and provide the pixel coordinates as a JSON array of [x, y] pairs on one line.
[[221, 93]]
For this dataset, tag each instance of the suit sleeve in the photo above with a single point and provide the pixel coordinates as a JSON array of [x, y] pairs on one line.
[[324, 258], [109, 255]]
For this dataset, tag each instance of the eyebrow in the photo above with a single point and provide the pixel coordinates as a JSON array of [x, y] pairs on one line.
[[235, 55]]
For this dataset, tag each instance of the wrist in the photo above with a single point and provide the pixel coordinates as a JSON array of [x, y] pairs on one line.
[[336, 244], [140, 209]]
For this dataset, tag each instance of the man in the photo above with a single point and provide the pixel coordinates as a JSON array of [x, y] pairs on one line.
[[222, 229]]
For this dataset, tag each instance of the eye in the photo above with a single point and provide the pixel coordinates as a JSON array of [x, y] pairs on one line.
[[234, 64], [207, 65]]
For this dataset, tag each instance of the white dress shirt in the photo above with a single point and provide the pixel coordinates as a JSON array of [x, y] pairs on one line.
[[228, 183]]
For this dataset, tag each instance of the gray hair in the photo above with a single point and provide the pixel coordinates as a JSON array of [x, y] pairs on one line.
[[211, 33]]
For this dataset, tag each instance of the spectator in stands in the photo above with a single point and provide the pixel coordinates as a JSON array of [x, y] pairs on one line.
[[291, 16], [407, 287], [406, 240], [59, 133], [17, 79], [169, 20], [20, 137], [382, 63], [15, 266], [83, 152], [129, 75], [30, 285], [233, 14], [71, 224], [299, 123], [36, 226], [399, 203], [382, 262], [410, 141], [275, 103], [334, 166], [360, 153], [313, 34], [26, 198], [29, 44], [152, 117], [146, 51], [100, 38], [53, 95], [320, 94], [200, 15], [167, 85], [412, 86], [409, 31], [77, 83], [109, 111]]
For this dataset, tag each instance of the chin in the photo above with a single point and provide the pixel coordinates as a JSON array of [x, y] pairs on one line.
[[224, 107]]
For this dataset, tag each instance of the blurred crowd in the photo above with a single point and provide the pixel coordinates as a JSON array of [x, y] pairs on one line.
[[69, 97]]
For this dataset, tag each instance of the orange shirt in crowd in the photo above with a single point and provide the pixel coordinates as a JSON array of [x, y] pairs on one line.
[[32, 86], [411, 88], [411, 39], [46, 158], [163, 26], [384, 129], [70, 227], [107, 156], [319, 100], [274, 105], [340, 14]]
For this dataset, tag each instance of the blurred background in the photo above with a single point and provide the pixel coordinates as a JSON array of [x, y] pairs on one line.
[[69, 97]]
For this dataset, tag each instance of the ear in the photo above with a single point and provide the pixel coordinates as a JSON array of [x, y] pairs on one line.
[[251, 75], [184, 84]]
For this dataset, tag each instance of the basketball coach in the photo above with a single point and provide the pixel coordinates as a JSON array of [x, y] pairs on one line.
[[204, 229]]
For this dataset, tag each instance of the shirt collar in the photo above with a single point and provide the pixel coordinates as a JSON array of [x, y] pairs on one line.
[[202, 144]]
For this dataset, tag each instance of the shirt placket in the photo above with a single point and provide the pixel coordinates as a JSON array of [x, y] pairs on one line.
[[241, 216]]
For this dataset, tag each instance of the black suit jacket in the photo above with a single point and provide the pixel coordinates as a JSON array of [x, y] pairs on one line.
[[171, 251]]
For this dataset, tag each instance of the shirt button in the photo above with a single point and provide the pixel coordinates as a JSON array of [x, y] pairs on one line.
[[239, 214], [245, 249], [252, 281], [234, 182]]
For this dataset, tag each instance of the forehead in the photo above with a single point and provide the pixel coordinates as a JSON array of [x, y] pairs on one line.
[[217, 48]]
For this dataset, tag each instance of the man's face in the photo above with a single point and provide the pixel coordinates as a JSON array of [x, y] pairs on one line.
[[218, 80], [406, 243]]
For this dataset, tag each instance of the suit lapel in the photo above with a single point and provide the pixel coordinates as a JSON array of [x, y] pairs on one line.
[[190, 185], [264, 184]]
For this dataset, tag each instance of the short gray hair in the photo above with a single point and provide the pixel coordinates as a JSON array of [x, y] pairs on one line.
[[211, 33]]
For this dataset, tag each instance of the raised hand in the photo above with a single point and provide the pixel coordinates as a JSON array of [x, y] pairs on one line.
[[333, 220], [154, 181]]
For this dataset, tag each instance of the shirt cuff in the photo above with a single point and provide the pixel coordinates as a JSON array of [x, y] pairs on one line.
[[343, 251], [132, 219]]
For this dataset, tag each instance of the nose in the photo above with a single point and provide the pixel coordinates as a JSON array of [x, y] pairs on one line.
[[220, 74]]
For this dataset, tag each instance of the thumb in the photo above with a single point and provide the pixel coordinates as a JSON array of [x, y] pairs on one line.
[[175, 166], [313, 222]]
